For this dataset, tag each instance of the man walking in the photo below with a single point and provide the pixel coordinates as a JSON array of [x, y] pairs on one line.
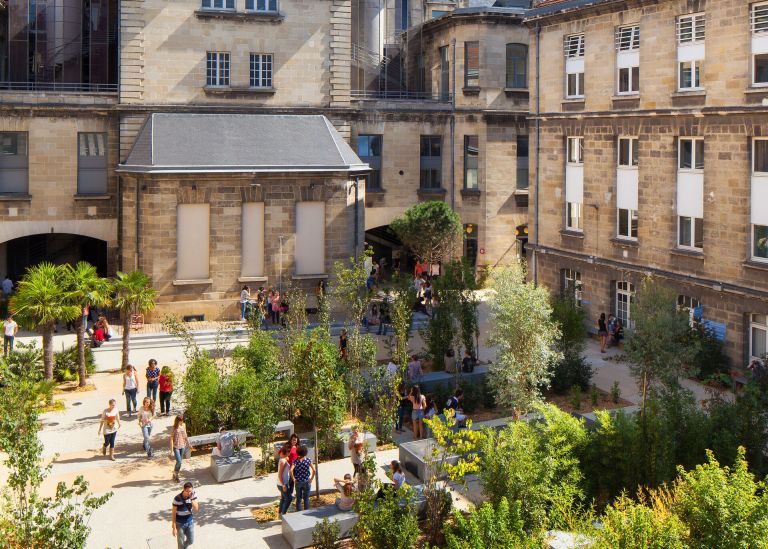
[[182, 521], [9, 334]]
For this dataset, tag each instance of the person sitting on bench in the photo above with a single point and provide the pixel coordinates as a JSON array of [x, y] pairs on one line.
[[346, 488], [225, 444]]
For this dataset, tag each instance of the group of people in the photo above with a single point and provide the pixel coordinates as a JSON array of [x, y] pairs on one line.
[[610, 331], [267, 304], [425, 407]]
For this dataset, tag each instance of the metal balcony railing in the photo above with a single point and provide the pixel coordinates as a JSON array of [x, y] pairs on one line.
[[399, 95], [64, 87]]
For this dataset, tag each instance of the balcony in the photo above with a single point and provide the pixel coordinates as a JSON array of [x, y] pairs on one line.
[[401, 99], [59, 87]]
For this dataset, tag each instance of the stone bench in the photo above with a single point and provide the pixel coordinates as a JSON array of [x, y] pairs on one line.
[[240, 465], [297, 527], [285, 427], [305, 441], [369, 439], [210, 438]]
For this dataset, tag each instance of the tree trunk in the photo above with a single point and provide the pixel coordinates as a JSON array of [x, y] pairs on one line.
[[317, 467], [645, 391], [48, 350], [81, 371], [126, 339]]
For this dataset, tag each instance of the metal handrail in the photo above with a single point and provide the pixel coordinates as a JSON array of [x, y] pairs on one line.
[[359, 53], [58, 87], [400, 95]]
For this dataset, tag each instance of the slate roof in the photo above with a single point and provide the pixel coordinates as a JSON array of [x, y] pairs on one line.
[[549, 7], [197, 143]]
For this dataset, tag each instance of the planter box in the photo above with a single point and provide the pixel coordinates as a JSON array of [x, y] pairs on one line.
[[297, 528]]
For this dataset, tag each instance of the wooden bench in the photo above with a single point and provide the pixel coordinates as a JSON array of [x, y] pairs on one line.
[[238, 466], [297, 527]]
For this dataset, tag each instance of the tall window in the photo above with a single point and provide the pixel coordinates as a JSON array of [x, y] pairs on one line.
[[575, 150], [218, 4], [574, 183], [261, 70], [445, 74], [571, 284], [217, 68], [690, 50], [625, 299], [517, 66], [690, 193], [760, 44], [628, 59], [574, 66], [758, 335], [626, 188], [431, 162], [690, 305], [471, 64], [92, 163], [369, 151], [471, 150], [523, 162], [14, 163], [759, 199], [261, 5]]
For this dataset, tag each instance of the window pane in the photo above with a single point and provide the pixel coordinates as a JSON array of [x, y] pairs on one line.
[[635, 79], [686, 75], [633, 223], [760, 238], [686, 154], [685, 231], [758, 342], [761, 68], [471, 63], [572, 88], [699, 154], [623, 80], [517, 64], [623, 222], [624, 152], [698, 233], [761, 156]]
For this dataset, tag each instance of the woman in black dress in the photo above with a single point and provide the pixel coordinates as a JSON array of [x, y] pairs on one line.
[[602, 332]]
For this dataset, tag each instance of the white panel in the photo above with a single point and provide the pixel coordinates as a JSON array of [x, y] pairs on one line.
[[690, 52], [759, 43], [310, 238], [253, 239], [627, 59], [574, 183], [626, 188], [760, 200], [574, 65], [690, 194], [192, 241]]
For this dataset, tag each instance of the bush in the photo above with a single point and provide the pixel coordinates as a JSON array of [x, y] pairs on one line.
[[386, 523], [325, 534], [202, 385], [65, 364], [489, 527], [572, 370], [627, 523], [710, 360]]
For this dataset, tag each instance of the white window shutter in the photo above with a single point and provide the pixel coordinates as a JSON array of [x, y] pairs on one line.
[[252, 239], [759, 204], [626, 188], [310, 238], [690, 194], [574, 183], [192, 241]]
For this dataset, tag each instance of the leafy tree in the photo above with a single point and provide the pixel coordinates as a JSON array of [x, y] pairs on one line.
[[133, 295], [431, 230], [401, 299], [638, 525], [40, 301], [386, 523], [524, 334], [489, 527], [84, 286], [572, 369], [349, 286], [202, 387]]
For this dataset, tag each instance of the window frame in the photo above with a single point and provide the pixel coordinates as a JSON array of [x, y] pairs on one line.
[[570, 140], [428, 164], [698, 31], [755, 140], [694, 154], [696, 69], [527, 167], [212, 5], [573, 277], [632, 153], [754, 243], [625, 288], [574, 211], [634, 37], [16, 163], [693, 223], [513, 64], [632, 222], [467, 157], [373, 179], [260, 85], [755, 83], [689, 304], [633, 79], [753, 325], [255, 6], [220, 73], [574, 48], [84, 166], [471, 75]]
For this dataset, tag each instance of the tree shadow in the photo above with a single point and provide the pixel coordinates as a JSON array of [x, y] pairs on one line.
[[275, 541], [219, 511]]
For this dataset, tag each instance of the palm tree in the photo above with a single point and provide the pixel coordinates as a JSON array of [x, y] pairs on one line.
[[40, 300], [84, 287], [133, 294]]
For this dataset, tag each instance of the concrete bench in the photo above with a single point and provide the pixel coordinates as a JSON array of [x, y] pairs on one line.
[[240, 465], [305, 441], [285, 428], [210, 438], [298, 527], [369, 439]]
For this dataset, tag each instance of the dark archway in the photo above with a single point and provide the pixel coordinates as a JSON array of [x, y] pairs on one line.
[[57, 248], [386, 244]]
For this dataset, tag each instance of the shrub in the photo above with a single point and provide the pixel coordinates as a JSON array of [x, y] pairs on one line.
[[572, 370], [489, 527], [386, 523], [325, 534], [576, 396], [594, 395], [710, 359], [615, 392], [473, 396], [201, 387], [65, 364]]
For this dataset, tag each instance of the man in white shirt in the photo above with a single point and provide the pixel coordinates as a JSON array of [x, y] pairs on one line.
[[7, 286], [9, 334]]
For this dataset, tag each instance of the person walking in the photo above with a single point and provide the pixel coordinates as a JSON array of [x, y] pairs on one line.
[[182, 516], [153, 379], [402, 407], [302, 473], [276, 307], [245, 298], [419, 403], [10, 329], [284, 484], [166, 390], [130, 388], [602, 332], [179, 444], [146, 415], [109, 424], [355, 446]]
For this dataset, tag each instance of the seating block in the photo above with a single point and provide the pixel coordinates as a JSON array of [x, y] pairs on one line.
[[298, 527], [238, 466], [369, 440]]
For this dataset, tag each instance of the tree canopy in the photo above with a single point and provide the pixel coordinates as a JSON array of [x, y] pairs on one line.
[[431, 230]]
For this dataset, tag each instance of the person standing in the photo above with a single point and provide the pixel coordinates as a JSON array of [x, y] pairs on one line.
[[166, 390], [402, 408], [414, 369], [343, 344], [284, 484], [302, 473], [602, 332], [276, 307], [182, 520], [109, 424], [146, 415], [398, 477], [7, 286], [245, 297], [179, 444], [355, 446], [419, 403], [153, 379], [10, 329], [130, 388], [384, 318]]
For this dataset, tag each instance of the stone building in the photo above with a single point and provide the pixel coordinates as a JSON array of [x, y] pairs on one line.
[[649, 125]]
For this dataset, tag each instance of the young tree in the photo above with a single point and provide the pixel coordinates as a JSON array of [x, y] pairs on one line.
[[134, 295], [524, 334], [40, 301], [431, 230], [84, 287], [660, 346]]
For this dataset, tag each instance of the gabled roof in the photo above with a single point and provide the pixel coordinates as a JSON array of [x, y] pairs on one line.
[[198, 143]]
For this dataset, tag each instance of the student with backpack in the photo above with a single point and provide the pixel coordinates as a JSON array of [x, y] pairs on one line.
[[182, 516]]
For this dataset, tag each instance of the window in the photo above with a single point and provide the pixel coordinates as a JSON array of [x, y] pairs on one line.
[[760, 44], [572, 284], [269, 6], [523, 161], [628, 38], [471, 150], [690, 28], [758, 335], [471, 64], [14, 163], [217, 69], [625, 299], [690, 75], [761, 69], [431, 162], [574, 183], [445, 74], [573, 219], [574, 66], [575, 150], [369, 151], [692, 306], [759, 199], [470, 243], [691, 232], [627, 188], [92, 163], [627, 223], [628, 59], [261, 70], [402, 13], [218, 4], [192, 241], [760, 242], [690, 50], [517, 66], [252, 240], [629, 80], [310, 238], [628, 152], [691, 154]]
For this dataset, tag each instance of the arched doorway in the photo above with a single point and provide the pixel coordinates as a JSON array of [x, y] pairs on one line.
[[387, 245], [26, 251]]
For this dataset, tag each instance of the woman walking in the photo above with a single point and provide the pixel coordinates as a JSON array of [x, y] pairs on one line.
[[302, 473], [284, 484], [130, 387], [602, 332], [153, 379], [419, 403], [109, 424], [146, 415], [166, 390], [179, 444]]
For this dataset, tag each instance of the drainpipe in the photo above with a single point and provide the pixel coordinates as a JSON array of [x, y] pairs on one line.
[[453, 124], [357, 229], [538, 154], [138, 215]]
